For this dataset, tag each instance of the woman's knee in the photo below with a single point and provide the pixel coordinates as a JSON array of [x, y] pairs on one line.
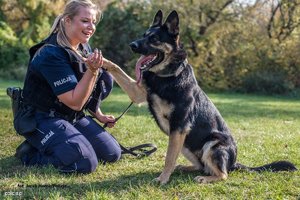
[[112, 156], [76, 156], [87, 165]]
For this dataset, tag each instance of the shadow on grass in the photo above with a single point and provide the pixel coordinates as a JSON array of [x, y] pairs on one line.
[[10, 166], [129, 183], [256, 110], [5, 102], [227, 109], [116, 186]]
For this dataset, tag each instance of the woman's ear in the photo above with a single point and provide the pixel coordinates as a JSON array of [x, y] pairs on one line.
[[67, 21]]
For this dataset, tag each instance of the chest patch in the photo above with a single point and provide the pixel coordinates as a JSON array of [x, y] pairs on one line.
[[162, 112], [62, 81]]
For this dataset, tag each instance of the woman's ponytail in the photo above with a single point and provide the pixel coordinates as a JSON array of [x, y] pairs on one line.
[[55, 25]]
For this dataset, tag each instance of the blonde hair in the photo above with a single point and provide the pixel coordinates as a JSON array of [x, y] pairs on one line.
[[71, 9]]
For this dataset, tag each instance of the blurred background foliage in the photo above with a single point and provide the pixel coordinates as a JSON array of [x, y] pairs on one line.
[[233, 45]]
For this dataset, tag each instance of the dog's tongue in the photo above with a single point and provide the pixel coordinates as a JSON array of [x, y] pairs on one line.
[[142, 60]]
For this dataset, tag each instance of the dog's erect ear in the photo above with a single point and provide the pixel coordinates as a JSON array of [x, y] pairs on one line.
[[157, 21], [172, 23]]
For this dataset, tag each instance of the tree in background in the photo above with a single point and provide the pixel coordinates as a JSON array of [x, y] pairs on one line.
[[259, 53], [231, 45], [22, 24], [122, 23], [11, 52], [31, 19]]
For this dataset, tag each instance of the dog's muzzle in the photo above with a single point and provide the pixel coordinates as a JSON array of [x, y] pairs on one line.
[[134, 46]]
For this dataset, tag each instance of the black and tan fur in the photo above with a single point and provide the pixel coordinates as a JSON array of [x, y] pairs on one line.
[[181, 109]]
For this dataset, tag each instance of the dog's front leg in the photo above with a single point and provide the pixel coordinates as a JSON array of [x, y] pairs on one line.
[[176, 140], [136, 93]]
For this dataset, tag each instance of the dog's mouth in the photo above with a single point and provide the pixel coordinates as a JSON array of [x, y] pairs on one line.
[[145, 62]]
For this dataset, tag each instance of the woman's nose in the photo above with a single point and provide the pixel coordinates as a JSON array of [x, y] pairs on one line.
[[91, 26]]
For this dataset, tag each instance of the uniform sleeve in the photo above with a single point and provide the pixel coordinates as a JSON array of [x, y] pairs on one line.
[[55, 66], [102, 89]]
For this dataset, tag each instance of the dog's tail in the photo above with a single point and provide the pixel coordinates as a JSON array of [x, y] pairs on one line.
[[274, 167]]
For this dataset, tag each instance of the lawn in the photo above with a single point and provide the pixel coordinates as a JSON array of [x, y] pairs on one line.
[[265, 128]]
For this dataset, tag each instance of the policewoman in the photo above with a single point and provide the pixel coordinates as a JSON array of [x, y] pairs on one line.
[[64, 79]]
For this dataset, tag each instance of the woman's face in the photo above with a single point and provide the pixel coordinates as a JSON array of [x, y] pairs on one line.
[[81, 27]]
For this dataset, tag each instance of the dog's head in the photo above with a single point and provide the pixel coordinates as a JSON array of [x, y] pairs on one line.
[[158, 44]]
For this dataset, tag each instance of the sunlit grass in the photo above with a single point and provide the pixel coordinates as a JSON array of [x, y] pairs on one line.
[[265, 128]]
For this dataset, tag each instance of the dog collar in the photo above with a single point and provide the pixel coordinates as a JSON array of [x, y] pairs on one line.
[[177, 72]]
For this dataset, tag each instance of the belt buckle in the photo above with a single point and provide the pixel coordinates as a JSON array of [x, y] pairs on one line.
[[52, 113]]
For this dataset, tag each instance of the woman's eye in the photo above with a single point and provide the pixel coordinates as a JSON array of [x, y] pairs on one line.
[[87, 21]]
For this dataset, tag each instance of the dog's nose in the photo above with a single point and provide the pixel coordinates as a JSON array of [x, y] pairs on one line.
[[134, 46]]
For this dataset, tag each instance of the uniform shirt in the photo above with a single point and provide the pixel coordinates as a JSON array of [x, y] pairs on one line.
[[53, 63]]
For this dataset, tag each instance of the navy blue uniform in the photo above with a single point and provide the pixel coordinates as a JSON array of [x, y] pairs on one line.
[[54, 65], [69, 145]]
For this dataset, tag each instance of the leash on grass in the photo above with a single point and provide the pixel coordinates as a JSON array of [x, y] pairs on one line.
[[138, 151]]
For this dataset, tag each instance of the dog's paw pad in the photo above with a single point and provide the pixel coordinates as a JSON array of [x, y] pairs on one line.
[[156, 180], [201, 179], [160, 180]]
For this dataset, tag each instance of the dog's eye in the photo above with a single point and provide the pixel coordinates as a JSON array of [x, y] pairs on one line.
[[154, 38]]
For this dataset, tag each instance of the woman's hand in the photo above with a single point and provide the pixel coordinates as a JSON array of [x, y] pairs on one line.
[[94, 61], [110, 120], [107, 119]]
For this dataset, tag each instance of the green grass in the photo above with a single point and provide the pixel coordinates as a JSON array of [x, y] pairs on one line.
[[265, 128]]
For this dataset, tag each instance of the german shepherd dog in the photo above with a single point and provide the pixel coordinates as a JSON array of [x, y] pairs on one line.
[[180, 108]]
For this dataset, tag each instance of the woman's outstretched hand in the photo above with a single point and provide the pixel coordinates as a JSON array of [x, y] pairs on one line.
[[94, 61]]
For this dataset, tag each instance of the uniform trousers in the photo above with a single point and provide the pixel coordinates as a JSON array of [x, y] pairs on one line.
[[70, 147]]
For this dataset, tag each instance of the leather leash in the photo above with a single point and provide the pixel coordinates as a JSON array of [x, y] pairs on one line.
[[125, 111], [138, 151]]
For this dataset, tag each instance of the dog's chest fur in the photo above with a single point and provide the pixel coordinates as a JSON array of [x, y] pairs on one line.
[[170, 100], [178, 105], [161, 110]]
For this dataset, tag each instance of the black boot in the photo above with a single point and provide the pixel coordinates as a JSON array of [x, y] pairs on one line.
[[24, 150]]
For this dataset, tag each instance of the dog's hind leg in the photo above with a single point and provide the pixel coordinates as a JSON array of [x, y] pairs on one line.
[[196, 165], [215, 162], [176, 140], [210, 179]]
